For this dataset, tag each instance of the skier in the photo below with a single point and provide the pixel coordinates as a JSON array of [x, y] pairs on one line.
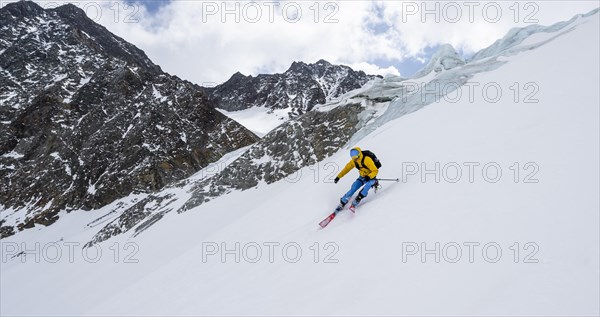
[[367, 165]]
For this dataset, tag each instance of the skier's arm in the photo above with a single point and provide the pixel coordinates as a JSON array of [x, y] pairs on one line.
[[371, 166], [346, 169]]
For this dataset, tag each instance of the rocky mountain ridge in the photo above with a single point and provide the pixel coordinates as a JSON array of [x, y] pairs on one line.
[[298, 89], [86, 118]]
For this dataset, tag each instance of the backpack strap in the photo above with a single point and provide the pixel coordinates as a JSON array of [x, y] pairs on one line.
[[362, 163]]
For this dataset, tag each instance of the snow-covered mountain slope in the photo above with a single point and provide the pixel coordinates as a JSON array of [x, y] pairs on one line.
[[86, 118], [297, 143], [259, 120], [368, 263]]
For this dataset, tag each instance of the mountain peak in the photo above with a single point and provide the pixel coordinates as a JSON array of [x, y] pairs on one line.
[[83, 102], [98, 37], [238, 75], [297, 66], [22, 9], [299, 88], [71, 10], [323, 62]]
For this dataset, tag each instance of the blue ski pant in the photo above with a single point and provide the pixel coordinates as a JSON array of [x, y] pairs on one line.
[[356, 185]]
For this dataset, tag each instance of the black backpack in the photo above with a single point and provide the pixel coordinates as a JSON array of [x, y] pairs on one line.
[[372, 156]]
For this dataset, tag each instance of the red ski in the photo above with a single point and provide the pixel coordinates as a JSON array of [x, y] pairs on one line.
[[353, 209], [327, 220]]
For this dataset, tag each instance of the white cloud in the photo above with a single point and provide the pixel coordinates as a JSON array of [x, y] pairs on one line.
[[373, 69], [192, 39]]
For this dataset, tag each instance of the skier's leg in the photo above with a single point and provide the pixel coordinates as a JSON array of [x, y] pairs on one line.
[[367, 187], [364, 192], [355, 186]]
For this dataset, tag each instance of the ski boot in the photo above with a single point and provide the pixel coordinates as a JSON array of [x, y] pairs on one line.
[[340, 207], [356, 202]]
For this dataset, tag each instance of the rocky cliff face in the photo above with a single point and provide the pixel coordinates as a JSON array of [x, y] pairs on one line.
[[298, 89], [86, 118]]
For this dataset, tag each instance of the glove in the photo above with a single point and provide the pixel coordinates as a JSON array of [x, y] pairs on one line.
[[367, 179], [336, 180]]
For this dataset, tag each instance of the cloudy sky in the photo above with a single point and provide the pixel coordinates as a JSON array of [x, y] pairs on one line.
[[207, 41]]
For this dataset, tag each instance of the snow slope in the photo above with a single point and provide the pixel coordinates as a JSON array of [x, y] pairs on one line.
[[551, 210], [259, 120]]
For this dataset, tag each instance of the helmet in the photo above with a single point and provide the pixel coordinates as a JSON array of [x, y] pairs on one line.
[[354, 153]]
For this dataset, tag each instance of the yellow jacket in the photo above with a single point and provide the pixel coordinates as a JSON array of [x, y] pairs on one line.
[[368, 169]]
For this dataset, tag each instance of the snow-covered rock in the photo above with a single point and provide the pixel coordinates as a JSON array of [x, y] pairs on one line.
[[297, 90], [87, 118]]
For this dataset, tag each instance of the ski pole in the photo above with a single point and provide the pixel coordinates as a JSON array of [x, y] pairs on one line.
[[389, 179]]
